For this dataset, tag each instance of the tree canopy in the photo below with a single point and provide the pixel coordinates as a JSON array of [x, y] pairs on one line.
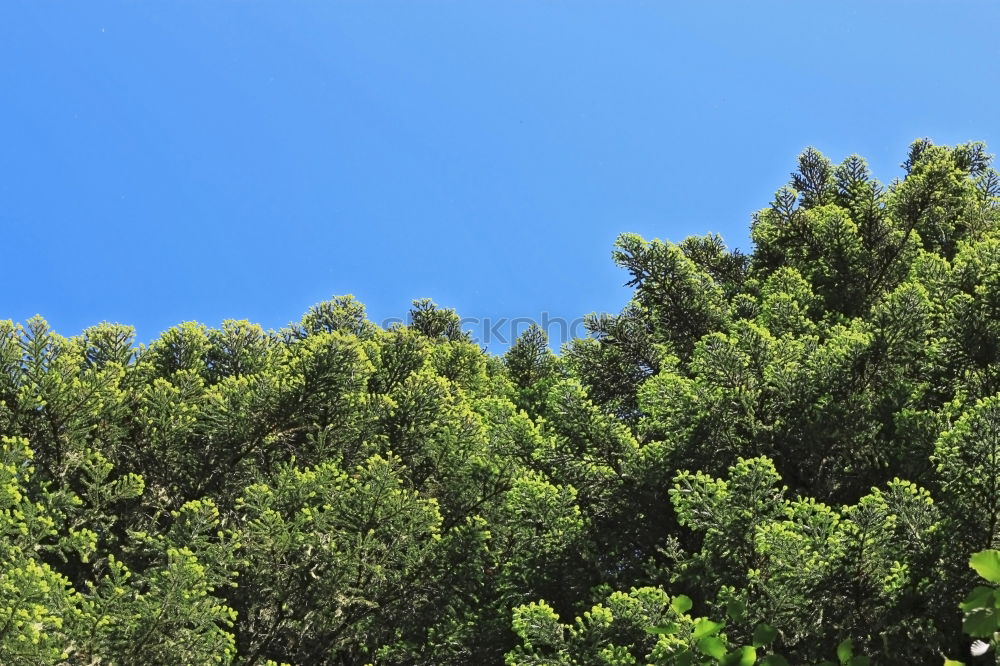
[[786, 456]]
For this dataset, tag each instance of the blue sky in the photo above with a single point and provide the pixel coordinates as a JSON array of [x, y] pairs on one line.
[[173, 161]]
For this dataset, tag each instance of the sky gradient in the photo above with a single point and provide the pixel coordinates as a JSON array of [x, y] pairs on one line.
[[172, 161]]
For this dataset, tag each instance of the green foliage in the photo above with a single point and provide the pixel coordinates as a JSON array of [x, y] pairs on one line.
[[434, 322], [786, 456], [643, 626], [981, 606]]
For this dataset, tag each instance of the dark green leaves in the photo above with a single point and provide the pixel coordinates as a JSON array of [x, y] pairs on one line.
[[744, 656], [664, 629], [736, 609], [764, 634], [845, 650]]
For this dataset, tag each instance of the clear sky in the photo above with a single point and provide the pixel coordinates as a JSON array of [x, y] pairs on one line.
[[203, 160]]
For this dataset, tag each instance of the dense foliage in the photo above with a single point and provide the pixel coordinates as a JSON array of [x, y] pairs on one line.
[[781, 457]]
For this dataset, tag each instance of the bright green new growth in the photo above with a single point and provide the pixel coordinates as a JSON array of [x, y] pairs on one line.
[[783, 457]]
